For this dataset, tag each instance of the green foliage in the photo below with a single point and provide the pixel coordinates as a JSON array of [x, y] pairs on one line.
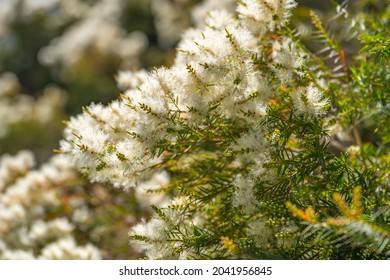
[[361, 108]]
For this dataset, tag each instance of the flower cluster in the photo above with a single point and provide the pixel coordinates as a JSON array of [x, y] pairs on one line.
[[29, 229]]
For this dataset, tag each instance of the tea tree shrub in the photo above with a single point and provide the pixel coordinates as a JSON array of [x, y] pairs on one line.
[[272, 151]]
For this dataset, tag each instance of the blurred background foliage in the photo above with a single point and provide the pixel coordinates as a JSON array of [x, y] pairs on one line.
[[71, 50]]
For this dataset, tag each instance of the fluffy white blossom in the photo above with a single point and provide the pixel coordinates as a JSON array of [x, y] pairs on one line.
[[310, 101], [105, 151], [265, 15], [251, 142]]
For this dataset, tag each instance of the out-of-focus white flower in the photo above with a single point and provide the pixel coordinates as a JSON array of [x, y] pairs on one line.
[[354, 150], [9, 84], [25, 199], [41, 230], [17, 255], [39, 5], [98, 29], [11, 167], [67, 249], [23, 108], [81, 215]]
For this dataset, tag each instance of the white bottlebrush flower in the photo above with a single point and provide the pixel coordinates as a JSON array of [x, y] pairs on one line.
[[254, 153], [310, 102], [115, 157], [290, 233]]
